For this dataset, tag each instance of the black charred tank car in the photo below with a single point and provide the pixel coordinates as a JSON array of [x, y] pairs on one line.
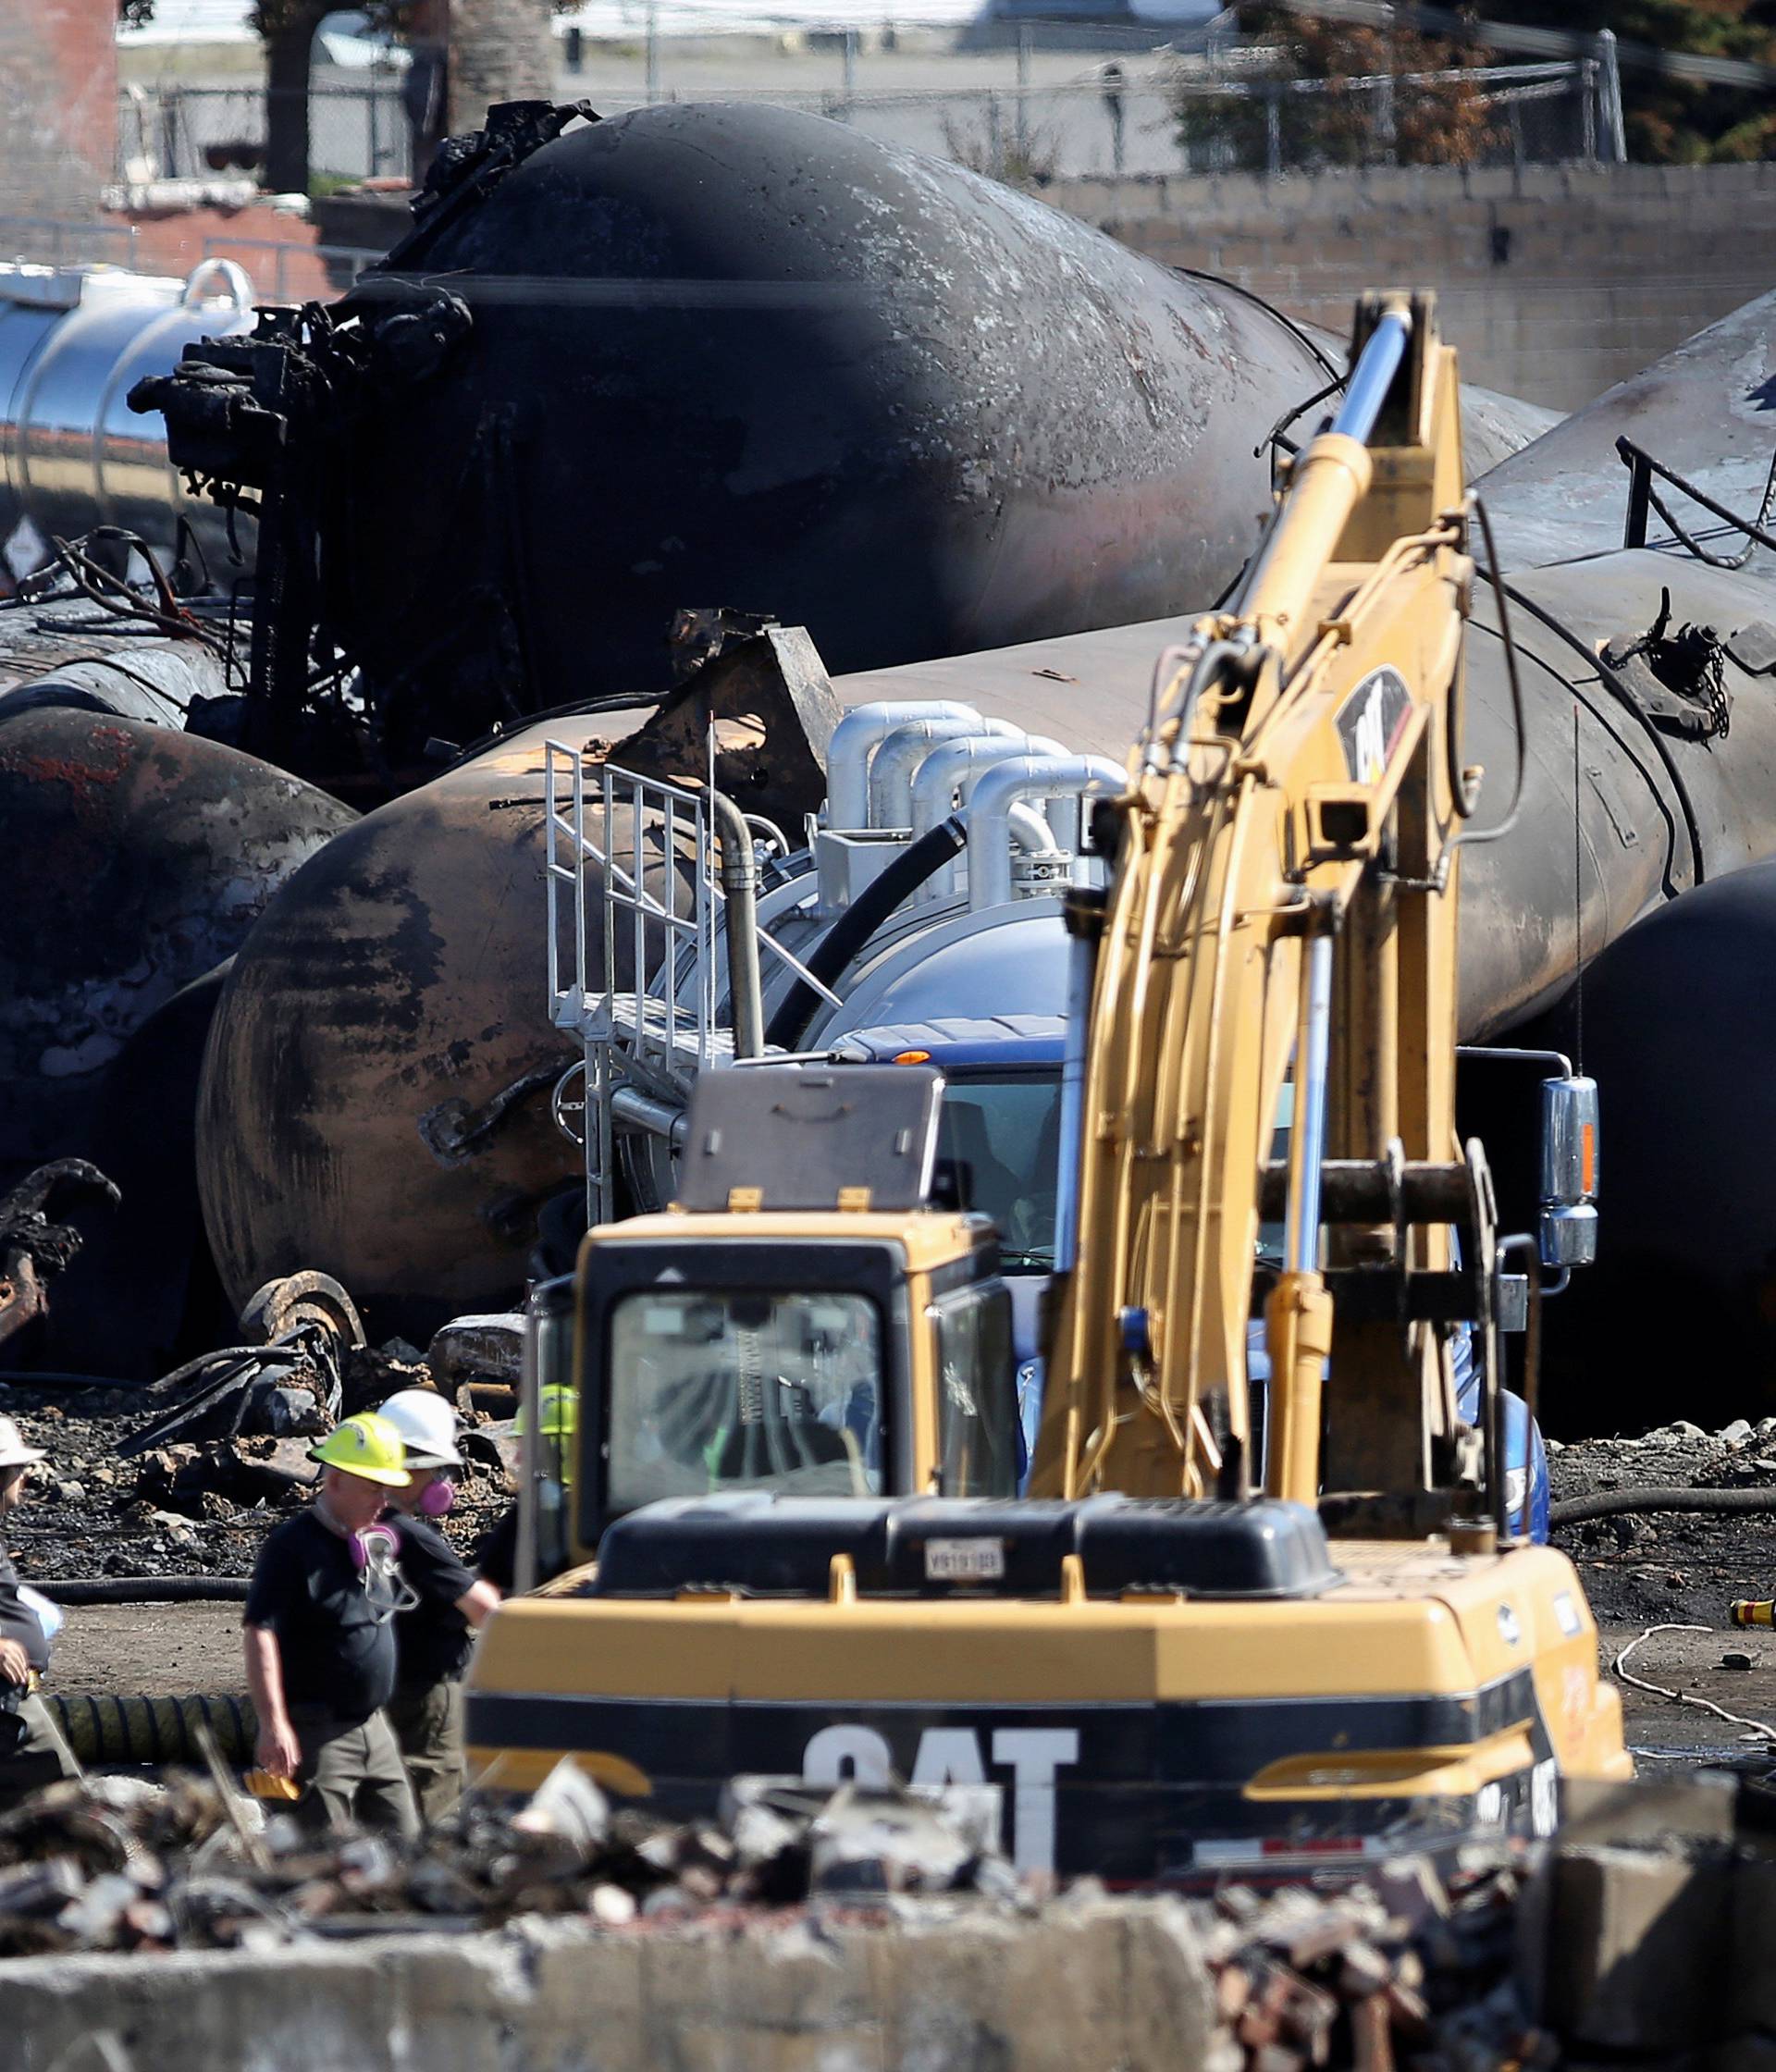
[[738, 355]]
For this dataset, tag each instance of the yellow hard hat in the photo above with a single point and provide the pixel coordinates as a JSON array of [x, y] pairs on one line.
[[365, 1444], [561, 1413]]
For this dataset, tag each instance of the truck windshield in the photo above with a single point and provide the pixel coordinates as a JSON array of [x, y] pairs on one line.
[[998, 1145], [744, 1389]]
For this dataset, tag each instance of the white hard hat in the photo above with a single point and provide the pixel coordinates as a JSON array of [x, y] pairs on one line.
[[427, 1428], [14, 1452]]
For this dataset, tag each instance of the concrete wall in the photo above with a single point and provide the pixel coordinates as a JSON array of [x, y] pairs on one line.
[[58, 107], [1093, 1985], [1554, 282]]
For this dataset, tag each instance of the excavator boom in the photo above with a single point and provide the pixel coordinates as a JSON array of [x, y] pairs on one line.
[[1284, 896]]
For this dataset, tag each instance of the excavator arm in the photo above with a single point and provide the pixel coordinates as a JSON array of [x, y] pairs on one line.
[[1283, 905]]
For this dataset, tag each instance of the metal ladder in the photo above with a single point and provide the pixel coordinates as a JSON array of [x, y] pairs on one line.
[[650, 894], [661, 1027]]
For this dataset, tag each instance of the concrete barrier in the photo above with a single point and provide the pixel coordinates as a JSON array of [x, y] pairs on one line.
[[1645, 1935], [1089, 1984]]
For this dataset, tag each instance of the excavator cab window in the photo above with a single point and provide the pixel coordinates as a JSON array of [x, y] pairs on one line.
[[744, 1389], [977, 1406], [544, 1426]]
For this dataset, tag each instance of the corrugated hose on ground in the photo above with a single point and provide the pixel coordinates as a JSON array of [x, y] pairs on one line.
[[147, 1589], [100, 1728], [1612, 1503]]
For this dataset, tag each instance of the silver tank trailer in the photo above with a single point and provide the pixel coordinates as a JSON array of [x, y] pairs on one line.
[[981, 938], [73, 342]]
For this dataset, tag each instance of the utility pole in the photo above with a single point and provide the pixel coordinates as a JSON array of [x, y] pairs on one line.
[[652, 51], [1609, 75], [1021, 127], [850, 70]]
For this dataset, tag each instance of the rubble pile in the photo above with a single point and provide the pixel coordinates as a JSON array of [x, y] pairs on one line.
[[1642, 1567], [1403, 1969], [117, 1864]]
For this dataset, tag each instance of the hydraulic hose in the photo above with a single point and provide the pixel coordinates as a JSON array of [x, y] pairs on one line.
[[147, 1589], [104, 1729], [858, 922], [1613, 1503], [1612, 682]]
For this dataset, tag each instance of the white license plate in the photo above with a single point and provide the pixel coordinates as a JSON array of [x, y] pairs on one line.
[[965, 1560]]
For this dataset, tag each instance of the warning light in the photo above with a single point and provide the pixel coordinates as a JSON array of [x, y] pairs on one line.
[[912, 1058]]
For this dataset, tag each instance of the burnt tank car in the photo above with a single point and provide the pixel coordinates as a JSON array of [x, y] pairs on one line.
[[734, 354]]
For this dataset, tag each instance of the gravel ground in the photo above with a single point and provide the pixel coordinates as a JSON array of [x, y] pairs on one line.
[[150, 1650], [1641, 1569]]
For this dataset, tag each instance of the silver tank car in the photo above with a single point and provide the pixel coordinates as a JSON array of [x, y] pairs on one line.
[[74, 340]]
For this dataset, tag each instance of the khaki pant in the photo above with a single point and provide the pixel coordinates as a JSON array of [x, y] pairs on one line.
[[428, 1725], [353, 1776], [40, 1757]]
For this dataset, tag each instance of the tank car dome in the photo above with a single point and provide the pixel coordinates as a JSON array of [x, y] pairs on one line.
[[1013, 961], [741, 356]]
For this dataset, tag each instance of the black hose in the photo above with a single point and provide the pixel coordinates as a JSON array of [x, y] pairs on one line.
[[1612, 682], [1612, 1503], [858, 922], [146, 1589]]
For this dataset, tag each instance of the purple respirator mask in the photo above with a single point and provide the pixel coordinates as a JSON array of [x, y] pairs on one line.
[[437, 1497]]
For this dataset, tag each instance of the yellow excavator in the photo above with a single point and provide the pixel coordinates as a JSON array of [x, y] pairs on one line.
[[1264, 1626]]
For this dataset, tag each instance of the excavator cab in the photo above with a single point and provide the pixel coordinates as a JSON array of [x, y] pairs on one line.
[[800, 1323]]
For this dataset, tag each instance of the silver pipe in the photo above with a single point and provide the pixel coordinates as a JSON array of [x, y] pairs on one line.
[[954, 768], [891, 774], [1022, 777], [740, 887], [1028, 831], [1307, 1136], [854, 740], [946, 779], [641, 1110]]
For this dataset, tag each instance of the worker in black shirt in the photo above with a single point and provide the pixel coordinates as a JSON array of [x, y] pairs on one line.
[[32, 1751], [433, 1637], [320, 1637]]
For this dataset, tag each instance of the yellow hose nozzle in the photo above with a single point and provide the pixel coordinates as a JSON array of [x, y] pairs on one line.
[[1754, 1612], [262, 1785]]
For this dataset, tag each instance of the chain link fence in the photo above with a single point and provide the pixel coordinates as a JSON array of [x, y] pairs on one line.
[[179, 131], [1490, 114], [1022, 113]]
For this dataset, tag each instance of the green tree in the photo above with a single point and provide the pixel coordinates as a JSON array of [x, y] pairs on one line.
[[1671, 120], [1437, 116]]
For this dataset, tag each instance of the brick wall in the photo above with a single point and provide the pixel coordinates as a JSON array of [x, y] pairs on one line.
[[58, 96], [1553, 282]]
